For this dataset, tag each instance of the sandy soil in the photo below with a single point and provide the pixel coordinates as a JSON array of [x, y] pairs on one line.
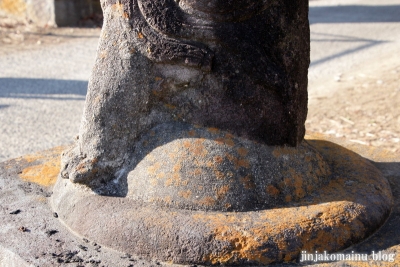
[[17, 35], [364, 108]]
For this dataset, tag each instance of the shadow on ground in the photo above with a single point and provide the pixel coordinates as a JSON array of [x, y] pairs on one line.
[[42, 89], [354, 14]]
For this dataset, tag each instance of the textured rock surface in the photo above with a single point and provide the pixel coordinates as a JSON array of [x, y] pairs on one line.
[[209, 169], [353, 204], [239, 66]]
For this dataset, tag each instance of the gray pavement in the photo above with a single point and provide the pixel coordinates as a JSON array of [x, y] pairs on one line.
[[42, 91]]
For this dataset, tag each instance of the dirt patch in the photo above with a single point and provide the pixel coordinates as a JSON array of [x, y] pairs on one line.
[[364, 107], [18, 35]]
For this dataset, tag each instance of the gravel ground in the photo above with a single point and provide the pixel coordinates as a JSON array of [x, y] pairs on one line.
[[43, 80], [364, 107]]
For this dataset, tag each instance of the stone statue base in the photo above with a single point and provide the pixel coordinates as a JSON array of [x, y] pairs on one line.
[[260, 204]]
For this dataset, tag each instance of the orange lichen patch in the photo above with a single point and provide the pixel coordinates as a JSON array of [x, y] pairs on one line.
[[197, 172], [44, 174], [229, 142], [242, 163], [222, 191], [45, 155], [242, 151], [167, 200], [238, 162], [248, 182], [160, 175], [243, 244], [218, 159], [247, 241], [219, 175], [172, 155], [174, 180], [158, 79], [132, 51], [231, 158], [210, 164], [177, 167], [187, 144], [288, 198], [283, 151], [192, 133], [296, 181], [46, 168], [169, 182], [153, 182], [196, 148], [15, 7], [154, 168], [344, 229], [242, 249], [219, 140], [83, 167], [213, 130], [272, 190], [156, 93], [170, 106], [207, 201], [118, 7], [229, 136], [185, 194]]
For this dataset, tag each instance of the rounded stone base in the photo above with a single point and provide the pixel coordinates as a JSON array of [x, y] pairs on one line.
[[353, 203], [187, 167]]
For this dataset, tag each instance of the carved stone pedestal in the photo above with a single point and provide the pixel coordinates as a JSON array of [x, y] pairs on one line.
[[191, 148], [318, 197]]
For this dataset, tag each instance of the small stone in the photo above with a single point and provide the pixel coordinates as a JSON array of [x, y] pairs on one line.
[[83, 247], [51, 232], [15, 212]]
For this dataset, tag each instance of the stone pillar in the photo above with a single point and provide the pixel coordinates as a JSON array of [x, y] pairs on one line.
[[239, 66]]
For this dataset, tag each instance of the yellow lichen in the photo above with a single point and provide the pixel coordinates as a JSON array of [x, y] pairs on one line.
[[44, 173]]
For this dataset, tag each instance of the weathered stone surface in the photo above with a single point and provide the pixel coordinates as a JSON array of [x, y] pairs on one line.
[[351, 206], [209, 169], [239, 66]]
